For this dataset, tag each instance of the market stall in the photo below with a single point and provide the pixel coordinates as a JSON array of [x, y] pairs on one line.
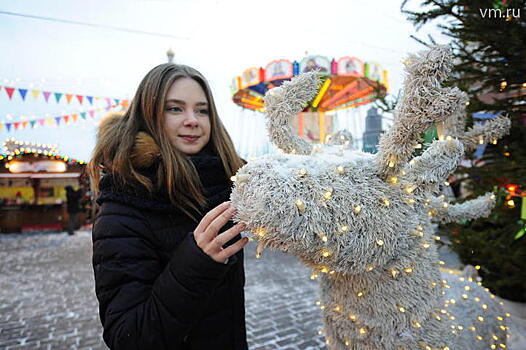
[[33, 178]]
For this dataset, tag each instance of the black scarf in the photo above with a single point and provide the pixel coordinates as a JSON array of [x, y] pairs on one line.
[[215, 184]]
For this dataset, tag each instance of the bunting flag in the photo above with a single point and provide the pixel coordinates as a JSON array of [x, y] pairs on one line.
[[9, 91], [58, 95], [23, 93], [58, 120]]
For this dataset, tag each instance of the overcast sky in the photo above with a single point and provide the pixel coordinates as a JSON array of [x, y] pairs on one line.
[[219, 38]]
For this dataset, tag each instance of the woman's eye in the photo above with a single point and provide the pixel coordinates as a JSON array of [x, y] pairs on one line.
[[174, 109], [203, 111]]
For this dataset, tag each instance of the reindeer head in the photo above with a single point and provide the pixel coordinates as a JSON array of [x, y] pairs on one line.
[[348, 211]]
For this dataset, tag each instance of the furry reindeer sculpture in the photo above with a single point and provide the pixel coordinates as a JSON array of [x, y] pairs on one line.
[[362, 222]]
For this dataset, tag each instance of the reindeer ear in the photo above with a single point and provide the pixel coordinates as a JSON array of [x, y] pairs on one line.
[[436, 163]]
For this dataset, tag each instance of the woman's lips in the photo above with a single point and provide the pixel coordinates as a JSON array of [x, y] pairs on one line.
[[188, 138]]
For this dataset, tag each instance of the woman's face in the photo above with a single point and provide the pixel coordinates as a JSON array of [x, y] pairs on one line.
[[187, 116]]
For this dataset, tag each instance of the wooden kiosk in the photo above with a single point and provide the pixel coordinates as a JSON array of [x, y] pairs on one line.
[[32, 187]]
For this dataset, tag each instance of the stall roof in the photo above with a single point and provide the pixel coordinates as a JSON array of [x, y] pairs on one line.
[[41, 176]]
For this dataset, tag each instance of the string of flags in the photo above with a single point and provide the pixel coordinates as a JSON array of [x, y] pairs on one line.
[[11, 92], [58, 120]]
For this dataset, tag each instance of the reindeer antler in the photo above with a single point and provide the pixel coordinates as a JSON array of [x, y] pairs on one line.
[[424, 102], [285, 102]]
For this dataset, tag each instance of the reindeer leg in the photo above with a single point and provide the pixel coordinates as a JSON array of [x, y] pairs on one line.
[[472, 209]]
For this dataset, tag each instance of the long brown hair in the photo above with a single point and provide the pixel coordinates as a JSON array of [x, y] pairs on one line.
[[176, 173]]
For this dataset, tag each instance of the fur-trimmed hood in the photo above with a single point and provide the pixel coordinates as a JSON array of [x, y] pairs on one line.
[[145, 151]]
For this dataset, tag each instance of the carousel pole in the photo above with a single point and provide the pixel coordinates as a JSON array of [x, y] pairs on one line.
[[321, 125]]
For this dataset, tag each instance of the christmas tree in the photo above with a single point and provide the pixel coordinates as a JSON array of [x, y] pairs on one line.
[[489, 46]]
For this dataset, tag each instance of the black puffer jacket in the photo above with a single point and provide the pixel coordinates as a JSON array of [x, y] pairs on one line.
[[156, 288]]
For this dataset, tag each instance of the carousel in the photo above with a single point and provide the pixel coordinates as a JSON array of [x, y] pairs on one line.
[[33, 178], [347, 82]]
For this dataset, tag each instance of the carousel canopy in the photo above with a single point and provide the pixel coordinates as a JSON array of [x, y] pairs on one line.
[[346, 83]]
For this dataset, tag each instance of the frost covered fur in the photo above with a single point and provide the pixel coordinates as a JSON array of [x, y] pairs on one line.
[[364, 225]]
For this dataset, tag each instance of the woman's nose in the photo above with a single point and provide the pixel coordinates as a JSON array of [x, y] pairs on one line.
[[190, 119]]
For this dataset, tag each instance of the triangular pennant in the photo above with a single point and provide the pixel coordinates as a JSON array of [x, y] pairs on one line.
[[83, 115], [75, 117], [1, 126], [92, 114], [125, 103], [66, 118], [23, 93], [108, 101], [33, 123], [16, 124], [9, 91], [116, 101], [46, 95], [69, 97], [24, 124], [80, 97], [41, 122], [49, 121], [35, 93], [57, 120], [90, 99], [58, 95], [8, 126]]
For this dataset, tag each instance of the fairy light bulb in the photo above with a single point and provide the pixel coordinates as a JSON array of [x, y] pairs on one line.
[[326, 253], [302, 172], [393, 180], [357, 209], [379, 242], [360, 294], [328, 194], [401, 309], [352, 317], [409, 189], [323, 237], [340, 170], [300, 205], [363, 331], [386, 202]]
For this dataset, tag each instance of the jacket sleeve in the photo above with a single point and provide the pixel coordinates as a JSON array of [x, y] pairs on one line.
[[143, 304]]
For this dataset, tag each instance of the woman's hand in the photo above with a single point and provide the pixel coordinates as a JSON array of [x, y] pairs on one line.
[[210, 242]]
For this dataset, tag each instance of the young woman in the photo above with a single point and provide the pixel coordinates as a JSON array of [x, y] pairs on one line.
[[168, 262]]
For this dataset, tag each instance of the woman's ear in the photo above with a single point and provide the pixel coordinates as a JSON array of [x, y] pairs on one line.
[[145, 151]]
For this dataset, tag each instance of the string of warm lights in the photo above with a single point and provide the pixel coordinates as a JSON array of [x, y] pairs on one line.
[[14, 149]]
